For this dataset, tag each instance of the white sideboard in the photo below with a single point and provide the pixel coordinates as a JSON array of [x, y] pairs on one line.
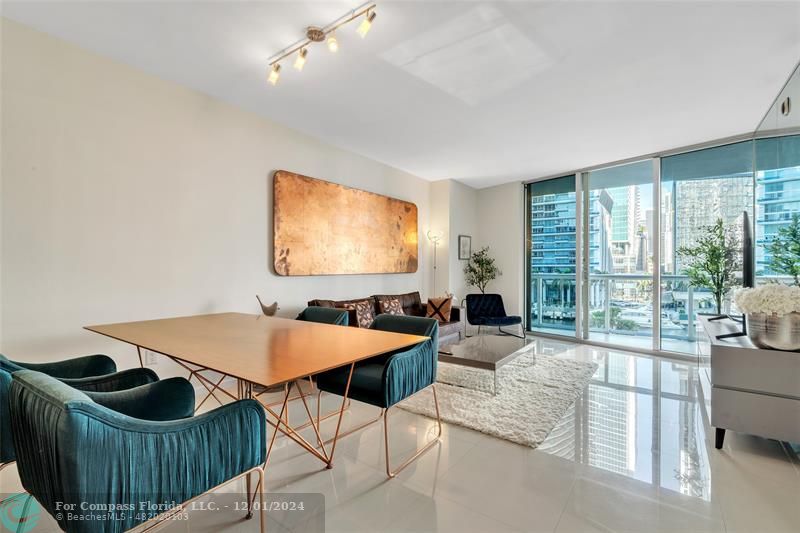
[[753, 390]]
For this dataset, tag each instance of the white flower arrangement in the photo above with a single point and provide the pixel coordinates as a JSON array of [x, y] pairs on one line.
[[771, 299]]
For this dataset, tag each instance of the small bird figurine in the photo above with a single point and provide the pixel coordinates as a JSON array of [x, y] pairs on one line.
[[268, 310]]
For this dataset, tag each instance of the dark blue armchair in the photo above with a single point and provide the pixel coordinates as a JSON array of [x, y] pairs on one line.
[[122, 448], [88, 373], [488, 310], [385, 380]]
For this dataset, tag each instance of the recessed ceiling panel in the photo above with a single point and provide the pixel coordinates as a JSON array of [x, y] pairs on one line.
[[475, 56]]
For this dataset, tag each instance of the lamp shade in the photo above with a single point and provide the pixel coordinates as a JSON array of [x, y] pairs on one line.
[[435, 236]]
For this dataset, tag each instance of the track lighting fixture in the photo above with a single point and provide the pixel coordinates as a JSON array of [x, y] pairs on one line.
[[326, 34], [274, 74], [333, 44], [366, 24], [300, 62]]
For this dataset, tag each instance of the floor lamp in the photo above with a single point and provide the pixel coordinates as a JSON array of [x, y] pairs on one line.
[[435, 237]]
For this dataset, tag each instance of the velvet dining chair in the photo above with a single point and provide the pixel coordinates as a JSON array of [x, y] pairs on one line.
[[89, 373], [387, 379], [324, 315], [320, 315], [114, 449]]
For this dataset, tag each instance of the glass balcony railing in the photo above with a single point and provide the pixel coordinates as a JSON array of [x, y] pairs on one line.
[[621, 305]]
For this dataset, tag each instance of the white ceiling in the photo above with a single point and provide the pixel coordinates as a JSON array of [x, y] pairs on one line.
[[482, 92]]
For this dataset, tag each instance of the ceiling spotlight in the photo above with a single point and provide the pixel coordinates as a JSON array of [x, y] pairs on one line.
[[333, 44], [366, 24], [300, 62], [298, 51], [274, 74]]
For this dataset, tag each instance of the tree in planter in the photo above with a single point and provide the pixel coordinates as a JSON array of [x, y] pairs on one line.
[[785, 250], [598, 320], [480, 269], [713, 260]]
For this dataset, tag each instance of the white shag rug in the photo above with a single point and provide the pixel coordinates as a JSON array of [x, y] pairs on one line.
[[535, 391]]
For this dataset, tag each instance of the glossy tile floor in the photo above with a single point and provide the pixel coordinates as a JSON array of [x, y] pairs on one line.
[[634, 454]]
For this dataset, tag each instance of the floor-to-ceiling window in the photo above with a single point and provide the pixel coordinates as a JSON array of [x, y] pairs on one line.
[[697, 189], [551, 255], [777, 162], [620, 263], [600, 240]]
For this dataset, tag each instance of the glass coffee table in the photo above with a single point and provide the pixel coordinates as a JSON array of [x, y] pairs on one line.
[[484, 352]]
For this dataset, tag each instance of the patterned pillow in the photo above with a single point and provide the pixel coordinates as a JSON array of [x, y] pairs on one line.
[[363, 309], [391, 306], [439, 308]]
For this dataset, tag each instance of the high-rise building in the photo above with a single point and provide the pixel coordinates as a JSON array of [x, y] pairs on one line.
[[778, 197], [624, 221], [553, 233], [667, 230], [700, 203], [553, 243]]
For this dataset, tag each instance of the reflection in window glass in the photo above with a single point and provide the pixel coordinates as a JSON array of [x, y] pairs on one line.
[[697, 189], [777, 195]]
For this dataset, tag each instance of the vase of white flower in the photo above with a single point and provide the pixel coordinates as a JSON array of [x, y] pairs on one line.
[[773, 315]]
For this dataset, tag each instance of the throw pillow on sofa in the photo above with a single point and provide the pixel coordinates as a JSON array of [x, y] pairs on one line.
[[439, 308], [391, 306], [363, 309]]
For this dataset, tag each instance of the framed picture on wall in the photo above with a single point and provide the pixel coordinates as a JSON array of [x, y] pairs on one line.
[[464, 246]]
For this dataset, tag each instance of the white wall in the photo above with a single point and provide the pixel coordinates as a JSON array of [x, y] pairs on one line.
[[454, 211], [125, 197], [501, 214], [440, 222], [464, 220]]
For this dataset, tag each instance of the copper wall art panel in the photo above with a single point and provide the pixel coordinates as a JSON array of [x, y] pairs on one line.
[[325, 228]]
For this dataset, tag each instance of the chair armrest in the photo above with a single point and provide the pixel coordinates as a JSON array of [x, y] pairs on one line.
[[408, 372], [78, 367], [182, 458], [126, 379], [75, 451], [169, 399], [6, 442]]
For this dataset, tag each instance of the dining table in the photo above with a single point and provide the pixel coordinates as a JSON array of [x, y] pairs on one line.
[[261, 353]]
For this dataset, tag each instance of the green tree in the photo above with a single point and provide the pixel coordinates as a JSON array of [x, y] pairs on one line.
[[480, 269], [785, 250], [713, 260]]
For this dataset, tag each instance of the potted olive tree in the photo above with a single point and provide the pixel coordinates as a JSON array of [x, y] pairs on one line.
[[480, 269], [712, 261]]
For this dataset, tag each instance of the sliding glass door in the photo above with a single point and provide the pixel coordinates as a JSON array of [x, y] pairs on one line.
[[551, 256], [619, 267]]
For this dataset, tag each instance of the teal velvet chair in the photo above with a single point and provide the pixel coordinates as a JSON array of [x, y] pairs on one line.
[[324, 315], [321, 315], [120, 448], [89, 373], [387, 379]]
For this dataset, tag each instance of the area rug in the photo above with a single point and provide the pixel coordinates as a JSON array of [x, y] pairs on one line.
[[535, 391]]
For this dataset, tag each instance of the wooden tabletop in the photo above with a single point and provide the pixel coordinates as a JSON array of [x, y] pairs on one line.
[[262, 350]]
